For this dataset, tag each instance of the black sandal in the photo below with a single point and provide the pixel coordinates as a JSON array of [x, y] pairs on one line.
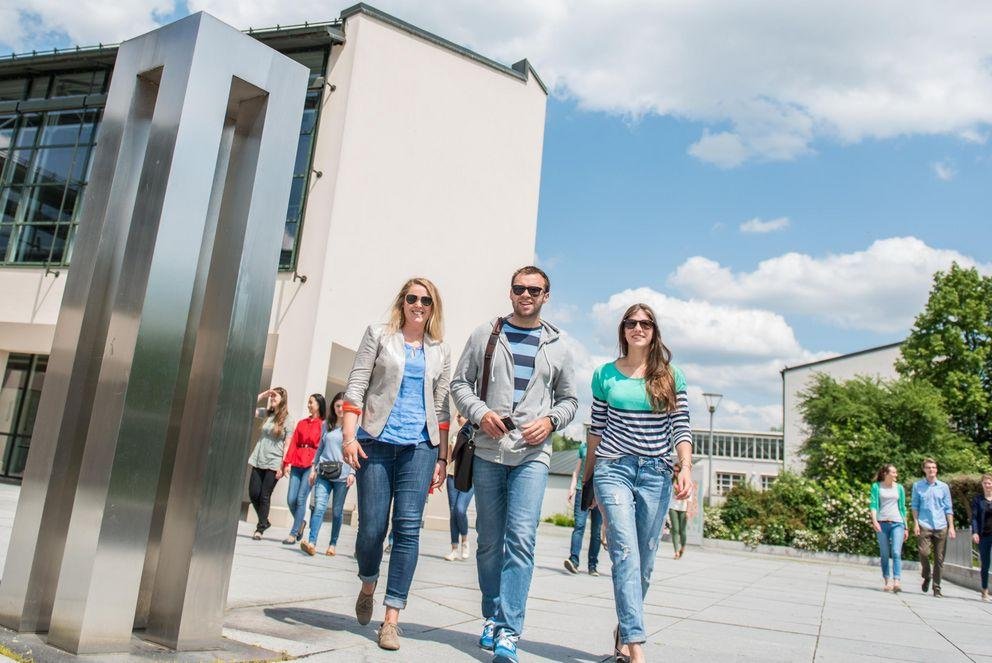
[[618, 655]]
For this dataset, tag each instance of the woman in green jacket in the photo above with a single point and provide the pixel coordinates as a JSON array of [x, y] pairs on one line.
[[888, 519]]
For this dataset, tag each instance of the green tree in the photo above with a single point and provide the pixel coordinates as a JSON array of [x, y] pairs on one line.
[[950, 346], [857, 425]]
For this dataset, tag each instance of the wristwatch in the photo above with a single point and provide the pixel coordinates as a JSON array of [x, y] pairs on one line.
[[554, 422]]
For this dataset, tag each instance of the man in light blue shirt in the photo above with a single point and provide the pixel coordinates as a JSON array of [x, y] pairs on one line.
[[934, 516]]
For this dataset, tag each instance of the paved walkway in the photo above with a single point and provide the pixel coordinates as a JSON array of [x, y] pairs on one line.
[[707, 606]]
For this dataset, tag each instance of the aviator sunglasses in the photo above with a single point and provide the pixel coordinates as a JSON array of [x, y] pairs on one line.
[[425, 300], [532, 290], [629, 324]]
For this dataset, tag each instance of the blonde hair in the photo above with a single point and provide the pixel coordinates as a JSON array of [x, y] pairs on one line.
[[435, 321]]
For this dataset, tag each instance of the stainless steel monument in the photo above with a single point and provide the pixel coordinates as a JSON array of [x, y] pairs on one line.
[[132, 488]]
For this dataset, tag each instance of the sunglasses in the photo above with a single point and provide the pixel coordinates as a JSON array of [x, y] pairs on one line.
[[425, 300], [532, 290], [629, 324]]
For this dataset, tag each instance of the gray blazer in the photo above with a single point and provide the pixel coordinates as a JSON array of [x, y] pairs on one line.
[[374, 381]]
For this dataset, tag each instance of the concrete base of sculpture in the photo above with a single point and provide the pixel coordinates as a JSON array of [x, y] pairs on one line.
[[32, 647]]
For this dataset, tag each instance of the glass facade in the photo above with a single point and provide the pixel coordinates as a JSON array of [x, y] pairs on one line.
[[45, 159], [20, 393], [44, 164], [738, 445]]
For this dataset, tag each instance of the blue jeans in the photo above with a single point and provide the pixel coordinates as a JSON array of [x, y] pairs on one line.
[[507, 513], [458, 510], [323, 489], [984, 557], [890, 547], [633, 493], [579, 530], [297, 497], [397, 475]]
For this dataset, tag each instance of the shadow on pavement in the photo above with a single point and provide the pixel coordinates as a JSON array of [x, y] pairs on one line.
[[463, 642]]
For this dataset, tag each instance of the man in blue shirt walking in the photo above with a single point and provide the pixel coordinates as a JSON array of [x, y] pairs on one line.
[[934, 516]]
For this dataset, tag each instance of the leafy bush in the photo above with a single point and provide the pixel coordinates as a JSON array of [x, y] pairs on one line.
[[561, 520]]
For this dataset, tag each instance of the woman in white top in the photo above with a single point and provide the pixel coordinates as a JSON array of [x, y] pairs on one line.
[[888, 519], [679, 513]]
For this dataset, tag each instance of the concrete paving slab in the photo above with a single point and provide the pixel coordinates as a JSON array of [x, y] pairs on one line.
[[710, 605]]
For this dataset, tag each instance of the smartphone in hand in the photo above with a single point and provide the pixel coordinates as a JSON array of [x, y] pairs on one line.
[[508, 423]]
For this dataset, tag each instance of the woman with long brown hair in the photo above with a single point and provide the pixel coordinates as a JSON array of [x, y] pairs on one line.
[[640, 415], [266, 457], [399, 387], [887, 505]]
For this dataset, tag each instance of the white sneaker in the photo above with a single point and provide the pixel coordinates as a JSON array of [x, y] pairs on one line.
[[464, 549], [452, 556]]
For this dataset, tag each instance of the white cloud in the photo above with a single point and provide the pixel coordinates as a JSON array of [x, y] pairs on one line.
[[756, 225], [944, 170], [880, 289], [723, 149], [768, 79]]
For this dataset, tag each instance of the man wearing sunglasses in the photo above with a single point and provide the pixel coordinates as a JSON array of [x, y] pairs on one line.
[[530, 394]]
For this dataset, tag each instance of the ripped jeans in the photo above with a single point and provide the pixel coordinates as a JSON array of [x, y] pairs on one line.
[[633, 493]]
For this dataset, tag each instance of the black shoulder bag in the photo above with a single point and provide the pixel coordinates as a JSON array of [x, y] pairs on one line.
[[463, 454]]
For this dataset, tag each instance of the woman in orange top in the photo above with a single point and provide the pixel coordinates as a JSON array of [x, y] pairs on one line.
[[298, 460]]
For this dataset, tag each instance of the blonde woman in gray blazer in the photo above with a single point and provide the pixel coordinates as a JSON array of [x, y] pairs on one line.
[[398, 390]]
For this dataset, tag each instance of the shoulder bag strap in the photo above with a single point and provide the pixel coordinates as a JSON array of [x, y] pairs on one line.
[[487, 363]]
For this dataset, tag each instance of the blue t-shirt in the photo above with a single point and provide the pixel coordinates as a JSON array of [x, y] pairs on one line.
[[524, 344], [407, 423]]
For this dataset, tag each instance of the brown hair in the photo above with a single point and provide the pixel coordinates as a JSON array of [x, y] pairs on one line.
[[435, 321], [279, 413], [927, 460], [658, 378], [986, 476], [882, 471], [531, 269]]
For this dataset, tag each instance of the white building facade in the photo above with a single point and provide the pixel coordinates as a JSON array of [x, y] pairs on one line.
[[876, 362], [416, 158]]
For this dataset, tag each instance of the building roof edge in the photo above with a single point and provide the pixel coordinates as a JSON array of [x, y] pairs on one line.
[[838, 357], [521, 70]]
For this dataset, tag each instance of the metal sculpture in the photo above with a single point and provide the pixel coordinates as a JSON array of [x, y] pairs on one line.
[[136, 466]]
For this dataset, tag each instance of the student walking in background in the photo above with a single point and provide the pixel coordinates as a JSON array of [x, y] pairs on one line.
[[266, 457], [399, 387], [640, 415], [934, 516], [331, 478], [679, 513], [981, 529], [888, 519], [581, 516], [530, 393], [458, 503], [298, 460]]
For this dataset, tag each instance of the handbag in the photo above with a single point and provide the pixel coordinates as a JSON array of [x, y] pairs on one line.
[[329, 470], [463, 455], [588, 494]]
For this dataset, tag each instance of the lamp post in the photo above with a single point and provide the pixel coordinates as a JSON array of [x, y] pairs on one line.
[[712, 401]]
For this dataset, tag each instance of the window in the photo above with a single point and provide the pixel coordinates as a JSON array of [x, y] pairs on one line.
[[44, 165], [767, 481], [727, 481], [20, 393], [315, 60]]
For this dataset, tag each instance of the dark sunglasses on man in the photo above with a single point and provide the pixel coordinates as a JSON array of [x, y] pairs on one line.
[[629, 324], [425, 300], [532, 290]]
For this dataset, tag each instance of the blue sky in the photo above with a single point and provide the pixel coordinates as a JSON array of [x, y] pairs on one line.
[[855, 134]]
